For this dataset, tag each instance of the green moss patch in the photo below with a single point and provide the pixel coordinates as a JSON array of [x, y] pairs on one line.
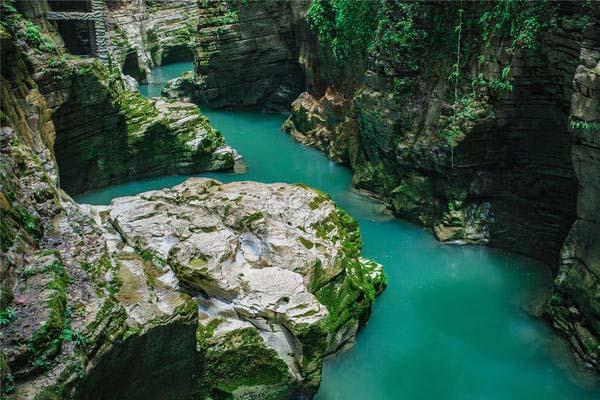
[[241, 358]]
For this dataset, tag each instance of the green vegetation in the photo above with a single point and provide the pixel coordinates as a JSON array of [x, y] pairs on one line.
[[417, 39], [187, 34], [467, 110], [249, 220], [100, 269], [345, 26], [231, 17], [589, 126], [16, 220], [45, 343], [241, 358], [399, 34], [7, 316], [318, 200], [306, 243], [12, 21], [349, 296], [520, 22]]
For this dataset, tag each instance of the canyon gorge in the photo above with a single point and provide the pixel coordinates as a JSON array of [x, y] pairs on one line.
[[163, 237]]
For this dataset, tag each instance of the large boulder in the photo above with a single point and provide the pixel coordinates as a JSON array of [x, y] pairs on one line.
[[274, 269]]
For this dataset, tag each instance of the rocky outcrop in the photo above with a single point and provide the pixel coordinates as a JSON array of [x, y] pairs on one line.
[[104, 133], [326, 124], [574, 306], [272, 267], [243, 287], [183, 88], [143, 33]]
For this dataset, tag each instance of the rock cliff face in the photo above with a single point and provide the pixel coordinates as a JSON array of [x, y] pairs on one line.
[[147, 33], [204, 290], [502, 166], [106, 134], [247, 54], [508, 182], [574, 306]]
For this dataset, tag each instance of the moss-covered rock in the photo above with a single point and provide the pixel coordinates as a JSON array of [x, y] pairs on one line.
[[183, 88], [280, 270]]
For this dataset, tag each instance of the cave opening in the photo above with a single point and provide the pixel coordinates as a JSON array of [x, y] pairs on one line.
[[79, 36], [177, 53], [131, 67]]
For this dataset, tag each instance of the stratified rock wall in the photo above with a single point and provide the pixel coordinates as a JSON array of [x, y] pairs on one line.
[[147, 33], [508, 182], [106, 135], [521, 171], [575, 306], [248, 55]]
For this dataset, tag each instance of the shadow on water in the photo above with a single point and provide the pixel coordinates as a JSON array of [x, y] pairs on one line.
[[453, 323]]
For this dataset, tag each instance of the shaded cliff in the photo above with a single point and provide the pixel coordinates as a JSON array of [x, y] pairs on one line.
[[479, 163], [247, 55], [106, 134], [574, 307]]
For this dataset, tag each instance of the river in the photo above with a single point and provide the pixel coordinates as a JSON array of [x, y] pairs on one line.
[[453, 322]]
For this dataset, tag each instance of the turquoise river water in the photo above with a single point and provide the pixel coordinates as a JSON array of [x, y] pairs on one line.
[[452, 323]]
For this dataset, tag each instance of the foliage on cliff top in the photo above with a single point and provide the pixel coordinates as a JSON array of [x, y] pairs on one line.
[[522, 22], [346, 26], [12, 22]]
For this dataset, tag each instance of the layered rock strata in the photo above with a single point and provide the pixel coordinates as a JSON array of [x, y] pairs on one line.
[[143, 34], [508, 182], [574, 306], [106, 134], [247, 56]]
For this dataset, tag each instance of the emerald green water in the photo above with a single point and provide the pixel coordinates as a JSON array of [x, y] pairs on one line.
[[452, 323]]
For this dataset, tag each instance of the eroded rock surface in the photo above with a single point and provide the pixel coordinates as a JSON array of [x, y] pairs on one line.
[[103, 133], [143, 34], [247, 55]]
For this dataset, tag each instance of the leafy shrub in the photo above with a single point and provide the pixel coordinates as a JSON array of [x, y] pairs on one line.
[[589, 126], [32, 33], [7, 316], [520, 21]]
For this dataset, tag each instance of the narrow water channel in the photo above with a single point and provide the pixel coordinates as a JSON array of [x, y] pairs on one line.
[[454, 321]]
